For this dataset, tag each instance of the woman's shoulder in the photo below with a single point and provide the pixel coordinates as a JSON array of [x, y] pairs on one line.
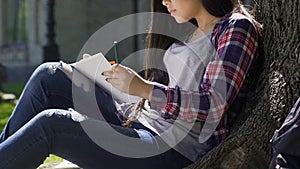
[[238, 16], [234, 21]]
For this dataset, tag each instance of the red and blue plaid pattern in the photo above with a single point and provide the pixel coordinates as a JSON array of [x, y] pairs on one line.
[[222, 89]]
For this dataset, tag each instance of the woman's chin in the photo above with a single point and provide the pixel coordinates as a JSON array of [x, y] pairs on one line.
[[180, 20]]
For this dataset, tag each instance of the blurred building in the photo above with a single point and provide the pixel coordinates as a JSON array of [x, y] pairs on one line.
[[23, 29]]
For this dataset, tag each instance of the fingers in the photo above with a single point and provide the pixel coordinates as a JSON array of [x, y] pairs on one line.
[[122, 69], [107, 73], [109, 80], [112, 74], [119, 74], [116, 67]]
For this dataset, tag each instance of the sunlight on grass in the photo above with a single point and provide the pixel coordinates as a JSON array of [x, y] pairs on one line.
[[53, 159], [5, 111]]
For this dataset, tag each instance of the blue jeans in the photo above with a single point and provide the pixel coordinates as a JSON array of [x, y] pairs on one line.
[[41, 124]]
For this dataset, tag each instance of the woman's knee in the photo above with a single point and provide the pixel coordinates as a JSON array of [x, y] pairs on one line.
[[48, 73], [46, 68], [58, 114], [45, 116]]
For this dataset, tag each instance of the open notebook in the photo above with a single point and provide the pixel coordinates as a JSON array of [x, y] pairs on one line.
[[92, 67]]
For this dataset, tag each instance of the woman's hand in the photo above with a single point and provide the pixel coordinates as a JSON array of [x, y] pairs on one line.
[[128, 81]]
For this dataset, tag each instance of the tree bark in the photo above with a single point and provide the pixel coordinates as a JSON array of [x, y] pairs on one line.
[[248, 146]]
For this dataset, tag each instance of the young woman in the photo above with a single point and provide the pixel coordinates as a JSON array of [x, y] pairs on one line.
[[189, 110]]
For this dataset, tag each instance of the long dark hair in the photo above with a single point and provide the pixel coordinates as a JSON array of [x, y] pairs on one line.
[[159, 41], [215, 8]]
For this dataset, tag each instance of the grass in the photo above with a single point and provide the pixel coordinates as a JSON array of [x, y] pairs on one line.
[[6, 109], [53, 159], [14, 88]]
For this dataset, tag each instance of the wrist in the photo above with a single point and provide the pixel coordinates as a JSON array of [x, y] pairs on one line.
[[141, 88], [148, 88]]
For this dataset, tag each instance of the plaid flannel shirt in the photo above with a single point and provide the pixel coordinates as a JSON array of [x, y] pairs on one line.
[[222, 88]]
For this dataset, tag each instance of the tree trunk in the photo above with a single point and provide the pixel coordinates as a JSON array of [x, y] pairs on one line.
[[248, 146]]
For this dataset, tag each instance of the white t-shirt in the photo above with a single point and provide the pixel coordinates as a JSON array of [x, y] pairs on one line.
[[185, 63]]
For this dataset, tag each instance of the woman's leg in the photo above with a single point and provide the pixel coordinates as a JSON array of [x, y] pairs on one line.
[[48, 88], [64, 133]]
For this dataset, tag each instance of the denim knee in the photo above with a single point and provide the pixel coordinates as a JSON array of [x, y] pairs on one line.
[[46, 68], [56, 114], [43, 118], [47, 74]]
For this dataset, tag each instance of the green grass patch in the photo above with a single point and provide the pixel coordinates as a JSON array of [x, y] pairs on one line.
[[13, 88], [53, 159], [5, 111], [6, 108]]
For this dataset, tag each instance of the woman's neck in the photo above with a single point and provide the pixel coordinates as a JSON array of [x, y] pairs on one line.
[[205, 25], [205, 20]]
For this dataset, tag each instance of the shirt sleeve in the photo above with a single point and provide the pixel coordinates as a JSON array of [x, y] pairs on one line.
[[222, 79]]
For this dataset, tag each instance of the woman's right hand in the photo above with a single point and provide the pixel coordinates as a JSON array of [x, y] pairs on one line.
[[128, 81]]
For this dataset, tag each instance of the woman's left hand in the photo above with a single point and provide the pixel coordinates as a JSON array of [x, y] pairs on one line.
[[128, 81]]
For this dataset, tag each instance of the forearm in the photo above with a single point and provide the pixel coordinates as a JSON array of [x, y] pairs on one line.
[[143, 88]]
